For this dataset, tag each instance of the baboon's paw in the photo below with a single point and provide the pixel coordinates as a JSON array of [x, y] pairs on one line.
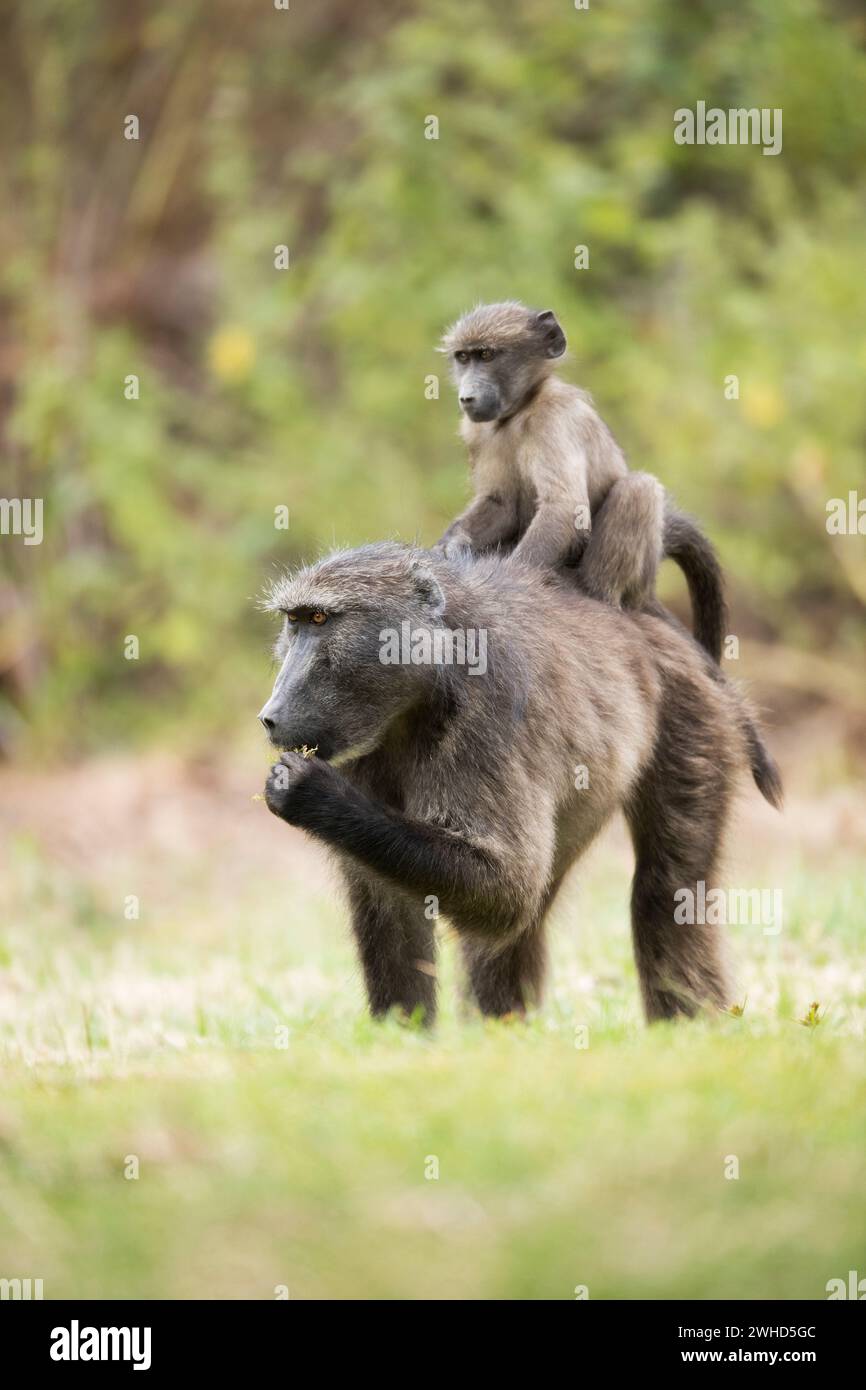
[[284, 779]]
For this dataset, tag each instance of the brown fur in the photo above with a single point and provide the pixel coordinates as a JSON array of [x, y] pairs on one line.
[[547, 471]]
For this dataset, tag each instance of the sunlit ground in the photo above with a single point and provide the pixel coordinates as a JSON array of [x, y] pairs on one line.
[[282, 1139]]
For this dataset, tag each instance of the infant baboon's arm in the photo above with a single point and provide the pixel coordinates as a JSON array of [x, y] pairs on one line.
[[553, 470], [489, 521]]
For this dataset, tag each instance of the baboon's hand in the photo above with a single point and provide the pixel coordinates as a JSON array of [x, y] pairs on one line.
[[458, 543], [285, 779], [455, 539]]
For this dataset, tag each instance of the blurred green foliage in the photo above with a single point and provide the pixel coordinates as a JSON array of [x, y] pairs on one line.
[[306, 388]]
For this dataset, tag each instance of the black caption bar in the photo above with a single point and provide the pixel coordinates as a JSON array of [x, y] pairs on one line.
[[151, 1339]]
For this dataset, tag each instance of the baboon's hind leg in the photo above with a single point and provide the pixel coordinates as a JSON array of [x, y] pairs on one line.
[[677, 819], [624, 550]]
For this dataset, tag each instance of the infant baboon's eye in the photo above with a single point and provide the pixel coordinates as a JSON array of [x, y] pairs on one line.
[[320, 618], [486, 354], [462, 356]]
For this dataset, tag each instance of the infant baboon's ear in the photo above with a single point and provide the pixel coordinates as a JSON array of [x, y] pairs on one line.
[[428, 588], [552, 335]]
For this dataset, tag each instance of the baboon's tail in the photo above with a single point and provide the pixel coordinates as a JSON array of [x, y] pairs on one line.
[[685, 542], [765, 771]]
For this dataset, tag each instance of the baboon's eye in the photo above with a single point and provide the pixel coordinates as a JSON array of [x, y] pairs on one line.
[[461, 356], [486, 354], [320, 617], [292, 617]]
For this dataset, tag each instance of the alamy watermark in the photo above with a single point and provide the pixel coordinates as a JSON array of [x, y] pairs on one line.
[[437, 646], [22, 516], [737, 126], [853, 1287], [23, 1289], [846, 516], [77, 1343], [736, 907]]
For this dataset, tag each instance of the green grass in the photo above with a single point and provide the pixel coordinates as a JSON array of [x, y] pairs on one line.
[[306, 1165]]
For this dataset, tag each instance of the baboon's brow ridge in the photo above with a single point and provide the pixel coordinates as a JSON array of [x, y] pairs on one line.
[[500, 323], [344, 578]]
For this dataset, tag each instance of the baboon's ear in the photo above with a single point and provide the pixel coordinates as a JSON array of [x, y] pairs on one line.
[[552, 335], [428, 588]]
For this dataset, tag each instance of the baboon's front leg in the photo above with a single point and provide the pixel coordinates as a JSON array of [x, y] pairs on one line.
[[505, 980], [490, 521], [560, 528], [397, 949], [472, 884], [552, 536]]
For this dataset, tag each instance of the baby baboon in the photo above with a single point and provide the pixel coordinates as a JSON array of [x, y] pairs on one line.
[[432, 781], [547, 472]]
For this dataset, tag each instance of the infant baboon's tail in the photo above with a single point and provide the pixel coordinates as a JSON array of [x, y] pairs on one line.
[[765, 771], [685, 542]]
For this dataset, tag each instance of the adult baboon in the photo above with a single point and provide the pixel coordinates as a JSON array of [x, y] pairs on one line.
[[434, 779], [547, 471]]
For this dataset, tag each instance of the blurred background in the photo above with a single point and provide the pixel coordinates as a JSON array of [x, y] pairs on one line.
[[157, 926], [306, 388]]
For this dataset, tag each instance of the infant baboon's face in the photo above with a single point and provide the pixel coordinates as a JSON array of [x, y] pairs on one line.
[[483, 377], [498, 353]]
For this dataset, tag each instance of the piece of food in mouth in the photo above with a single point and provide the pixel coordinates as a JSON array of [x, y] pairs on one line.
[[304, 751]]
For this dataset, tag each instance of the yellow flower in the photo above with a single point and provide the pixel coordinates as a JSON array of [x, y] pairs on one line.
[[231, 353], [763, 406]]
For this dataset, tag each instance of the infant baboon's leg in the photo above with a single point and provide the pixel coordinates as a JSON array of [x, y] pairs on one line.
[[397, 948], [506, 980], [626, 544], [677, 818]]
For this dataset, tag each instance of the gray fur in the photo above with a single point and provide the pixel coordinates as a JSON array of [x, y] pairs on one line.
[[432, 781]]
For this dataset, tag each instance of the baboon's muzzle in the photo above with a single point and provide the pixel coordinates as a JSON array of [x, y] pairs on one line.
[[290, 717], [297, 733]]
